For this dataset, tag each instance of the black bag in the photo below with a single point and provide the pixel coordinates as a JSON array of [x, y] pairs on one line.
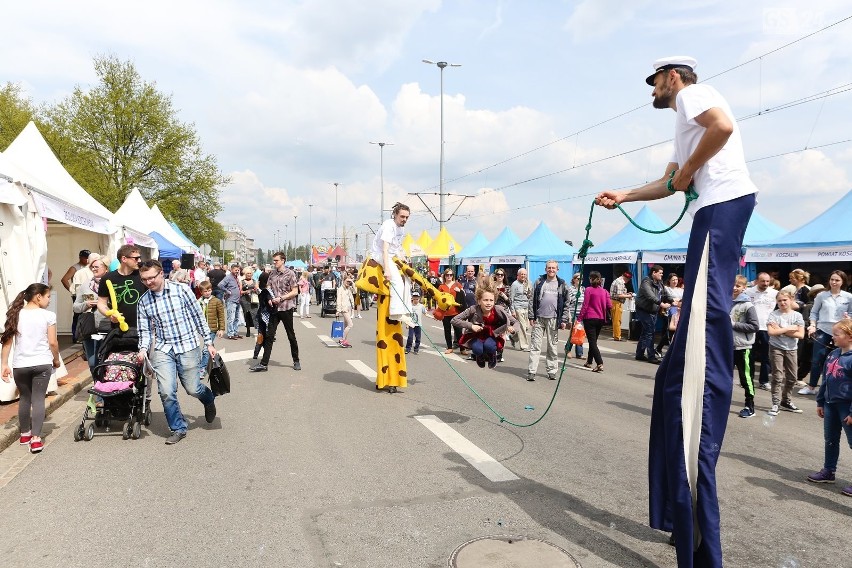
[[220, 380], [86, 324]]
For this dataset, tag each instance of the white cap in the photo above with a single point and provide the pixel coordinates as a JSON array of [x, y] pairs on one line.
[[673, 62]]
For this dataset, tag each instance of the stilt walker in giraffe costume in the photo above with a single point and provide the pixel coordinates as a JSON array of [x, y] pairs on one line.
[[692, 392], [387, 276]]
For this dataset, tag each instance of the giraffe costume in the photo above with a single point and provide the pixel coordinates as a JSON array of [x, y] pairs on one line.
[[390, 344]]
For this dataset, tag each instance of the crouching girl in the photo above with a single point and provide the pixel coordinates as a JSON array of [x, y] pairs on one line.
[[484, 326]]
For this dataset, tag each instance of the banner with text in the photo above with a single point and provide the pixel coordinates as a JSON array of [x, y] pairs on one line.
[[821, 254], [609, 258]]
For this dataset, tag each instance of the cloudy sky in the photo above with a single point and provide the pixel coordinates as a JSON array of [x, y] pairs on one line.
[[548, 107]]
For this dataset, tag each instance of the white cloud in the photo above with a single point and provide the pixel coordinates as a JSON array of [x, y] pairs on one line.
[[599, 19]]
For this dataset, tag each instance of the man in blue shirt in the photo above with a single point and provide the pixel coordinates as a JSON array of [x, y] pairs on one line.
[[170, 320]]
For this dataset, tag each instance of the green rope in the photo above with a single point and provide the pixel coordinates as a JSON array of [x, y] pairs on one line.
[[689, 194]]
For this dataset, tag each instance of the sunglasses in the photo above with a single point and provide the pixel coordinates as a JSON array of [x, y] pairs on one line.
[[136, 258]]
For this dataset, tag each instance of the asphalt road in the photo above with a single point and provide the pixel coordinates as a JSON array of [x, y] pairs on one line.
[[317, 469]]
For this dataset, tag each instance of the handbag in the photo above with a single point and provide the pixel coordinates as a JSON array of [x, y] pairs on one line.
[[220, 379], [254, 298], [337, 329], [578, 333], [86, 324]]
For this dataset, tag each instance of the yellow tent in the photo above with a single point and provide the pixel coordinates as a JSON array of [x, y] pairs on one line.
[[440, 247], [424, 240], [406, 244]]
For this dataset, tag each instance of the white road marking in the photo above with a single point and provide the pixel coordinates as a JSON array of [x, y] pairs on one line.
[[329, 342], [437, 327], [362, 368], [485, 464], [308, 325], [236, 355], [450, 356]]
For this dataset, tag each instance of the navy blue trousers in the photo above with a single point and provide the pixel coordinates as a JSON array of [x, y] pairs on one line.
[[693, 387]]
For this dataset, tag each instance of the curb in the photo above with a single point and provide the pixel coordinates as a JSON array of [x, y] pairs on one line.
[[11, 431]]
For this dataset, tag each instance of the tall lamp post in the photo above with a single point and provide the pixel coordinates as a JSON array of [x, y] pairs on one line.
[[311, 233], [335, 211], [441, 65], [382, 177]]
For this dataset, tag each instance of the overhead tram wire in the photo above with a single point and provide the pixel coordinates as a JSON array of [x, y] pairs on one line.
[[581, 195], [784, 106], [625, 113]]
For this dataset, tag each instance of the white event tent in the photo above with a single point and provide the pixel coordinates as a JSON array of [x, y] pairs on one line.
[[162, 226]]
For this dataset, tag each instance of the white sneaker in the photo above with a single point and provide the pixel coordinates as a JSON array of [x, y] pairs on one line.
[[807, 390], [773, 411]]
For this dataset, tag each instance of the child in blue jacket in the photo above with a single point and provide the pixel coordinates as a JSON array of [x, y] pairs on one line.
[[834, 402]]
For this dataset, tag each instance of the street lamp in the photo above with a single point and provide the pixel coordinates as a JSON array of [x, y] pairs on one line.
[[441, 65], [311, 231], [277, 240], [382, 177], [335, 211]]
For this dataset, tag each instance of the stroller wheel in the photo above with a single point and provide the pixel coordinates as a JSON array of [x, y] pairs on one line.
[[90, 432], [78, 433], [137, 430], [147, 420], [125, 431]]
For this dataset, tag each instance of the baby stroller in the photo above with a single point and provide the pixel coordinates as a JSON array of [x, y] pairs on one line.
[[120, 382], [329, 303]]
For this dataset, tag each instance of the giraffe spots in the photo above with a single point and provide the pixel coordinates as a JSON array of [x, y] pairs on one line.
[[409, 271], [385, 369], [398, 358], [391, 322], [381, 344], [403, 374], [398, 338], [372, 263], [374, 281]]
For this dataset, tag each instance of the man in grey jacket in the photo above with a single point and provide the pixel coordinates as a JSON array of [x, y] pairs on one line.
[[519, 299], [549, 314], [649, 301], [230, 287]]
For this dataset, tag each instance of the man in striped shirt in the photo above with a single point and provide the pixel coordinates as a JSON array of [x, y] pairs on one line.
[[283, 289], [171, 321]]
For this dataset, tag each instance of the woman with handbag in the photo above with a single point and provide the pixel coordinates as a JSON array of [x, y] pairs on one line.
[[89, 320], [249, 299], [596, 303], [346, 307]]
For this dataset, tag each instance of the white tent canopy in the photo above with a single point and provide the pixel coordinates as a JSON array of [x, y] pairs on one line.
[[134, 212]]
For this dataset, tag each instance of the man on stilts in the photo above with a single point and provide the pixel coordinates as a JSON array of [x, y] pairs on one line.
[[692, 391]]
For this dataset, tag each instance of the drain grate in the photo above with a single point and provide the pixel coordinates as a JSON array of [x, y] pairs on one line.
[[510, 552]]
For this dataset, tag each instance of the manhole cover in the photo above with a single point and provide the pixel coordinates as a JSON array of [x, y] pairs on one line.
[[510, 552]]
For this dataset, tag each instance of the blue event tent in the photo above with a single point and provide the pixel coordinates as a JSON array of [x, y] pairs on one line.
[[823, 239], [166, 248], [501, 245], [476, 244], [624, 246], [543, 245]]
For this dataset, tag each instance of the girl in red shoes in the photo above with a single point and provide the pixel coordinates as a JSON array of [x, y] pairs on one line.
[[32, 329]]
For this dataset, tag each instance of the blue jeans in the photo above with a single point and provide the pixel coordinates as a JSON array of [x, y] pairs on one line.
[[168, 367], [820, 353], [90, 348], [205, 355], [645, 347], [413, 337], [833, 423], [232, 316], [483, 347]]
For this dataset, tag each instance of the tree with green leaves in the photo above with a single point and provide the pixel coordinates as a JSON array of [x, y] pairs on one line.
[[16, 111], [124, 133]]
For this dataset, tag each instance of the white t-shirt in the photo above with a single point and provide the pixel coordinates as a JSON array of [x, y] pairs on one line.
[[725, 176], [389, 233], [764, 303], [31, 346]]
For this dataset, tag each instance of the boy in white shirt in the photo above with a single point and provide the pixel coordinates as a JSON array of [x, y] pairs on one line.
[[417, 311]]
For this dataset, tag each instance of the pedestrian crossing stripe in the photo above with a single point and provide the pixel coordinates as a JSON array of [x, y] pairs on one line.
[[327, 341], [308, 325], [362, 368]]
